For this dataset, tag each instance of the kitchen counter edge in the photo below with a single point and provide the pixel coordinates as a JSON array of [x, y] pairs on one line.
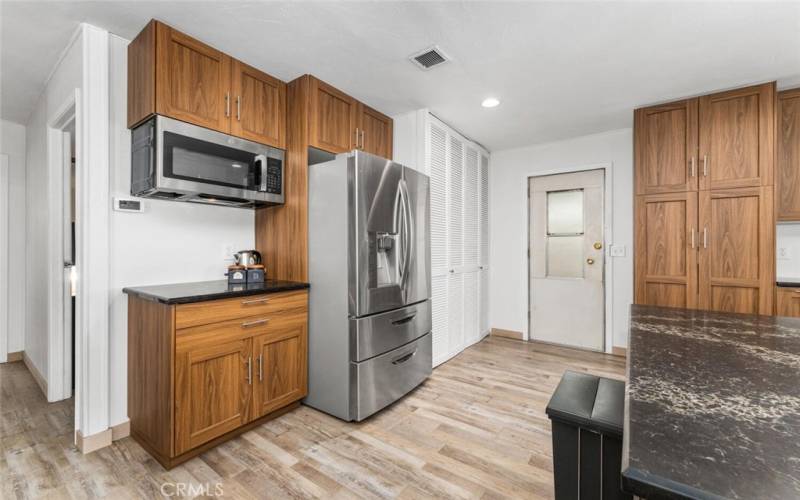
[[209, 290]]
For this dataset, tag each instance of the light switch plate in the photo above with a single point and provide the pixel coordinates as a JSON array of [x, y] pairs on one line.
[[618, 250], [784, 253]]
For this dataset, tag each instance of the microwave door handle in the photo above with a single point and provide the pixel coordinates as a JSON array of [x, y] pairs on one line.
[[262, 160]]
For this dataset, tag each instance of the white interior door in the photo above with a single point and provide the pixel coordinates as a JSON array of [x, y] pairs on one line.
[[459, 240], [4, 242], [437, 166], [483, 274], [566, 259]]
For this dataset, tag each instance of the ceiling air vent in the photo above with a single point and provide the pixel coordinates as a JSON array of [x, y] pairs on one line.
[[430, 57]]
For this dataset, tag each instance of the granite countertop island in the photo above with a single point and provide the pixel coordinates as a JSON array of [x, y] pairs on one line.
[[712, 408], [186, 293]]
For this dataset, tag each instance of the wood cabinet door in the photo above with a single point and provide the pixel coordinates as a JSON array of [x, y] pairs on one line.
[[665, 148], [737, 134], [736, 258], [212, 391], [787, 180], [375, 130], [666, 250], [280, 361], [258, 109], [788, 302], [333, 118], [193, 80]]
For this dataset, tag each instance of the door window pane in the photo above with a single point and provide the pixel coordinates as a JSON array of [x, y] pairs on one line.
[[565, 212], [565, 257]]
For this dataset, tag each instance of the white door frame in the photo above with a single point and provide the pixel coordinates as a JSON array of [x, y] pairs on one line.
[[59, 345], [4, 251], [608, 237]]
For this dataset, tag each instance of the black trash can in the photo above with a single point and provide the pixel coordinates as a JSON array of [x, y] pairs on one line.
[[586, 413]]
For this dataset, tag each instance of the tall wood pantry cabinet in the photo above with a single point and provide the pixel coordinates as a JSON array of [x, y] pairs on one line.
[[704, 210], [321, 117]]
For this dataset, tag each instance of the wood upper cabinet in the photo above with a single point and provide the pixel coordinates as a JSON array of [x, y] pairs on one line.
[[737, 136], [192, 80], [787, 169], [787, 302], [375, 132], [175, 75], [666, 250], [258, 105], [281, 357], [212, 391], [333, 118], [737, 253], [337, 123], [665, 148]]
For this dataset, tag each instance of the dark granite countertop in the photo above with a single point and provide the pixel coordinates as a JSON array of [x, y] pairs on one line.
[[185, 293], [712, 407], [789, 284]]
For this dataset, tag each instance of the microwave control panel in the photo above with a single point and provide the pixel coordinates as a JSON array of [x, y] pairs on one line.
[[274, 175]]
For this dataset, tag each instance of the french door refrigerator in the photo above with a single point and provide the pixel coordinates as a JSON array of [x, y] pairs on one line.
[[369, 267]]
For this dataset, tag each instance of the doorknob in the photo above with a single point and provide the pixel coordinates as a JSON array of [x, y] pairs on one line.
[[597, 245], [590, 261]]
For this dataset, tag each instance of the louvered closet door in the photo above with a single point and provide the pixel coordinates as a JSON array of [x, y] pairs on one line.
[[437, 164], [483, 260], [455, 241], [471, 244]]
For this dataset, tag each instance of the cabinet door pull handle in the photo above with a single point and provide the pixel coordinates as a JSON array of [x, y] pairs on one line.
[[238, 108], [248, 324], [705, 237], [705, 165], [691, 167], [356, 146], [255, 301], [362, 139], [692, 237], [227, 104], [260, 367], [250, 370]]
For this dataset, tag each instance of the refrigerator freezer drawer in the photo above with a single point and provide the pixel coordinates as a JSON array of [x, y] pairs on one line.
[[382, 380], [383, 332]]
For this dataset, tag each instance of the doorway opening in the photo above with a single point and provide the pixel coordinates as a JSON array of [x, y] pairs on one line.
[[566, 259]]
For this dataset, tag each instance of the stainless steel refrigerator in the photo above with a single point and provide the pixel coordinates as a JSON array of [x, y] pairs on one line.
[[369, 267]]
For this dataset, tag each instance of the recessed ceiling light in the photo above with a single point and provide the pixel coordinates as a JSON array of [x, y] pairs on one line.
[[490, 102]]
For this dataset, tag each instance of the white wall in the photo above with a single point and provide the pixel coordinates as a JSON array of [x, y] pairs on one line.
[[12, 143], [408, 140], [170, 242], [787, 237], [66, 77], [508, 215]]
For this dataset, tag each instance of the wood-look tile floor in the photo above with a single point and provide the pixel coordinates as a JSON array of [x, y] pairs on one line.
[[475, 429]]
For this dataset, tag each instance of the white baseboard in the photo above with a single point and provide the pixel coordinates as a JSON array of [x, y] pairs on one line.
[[37, 376], [88, 444]]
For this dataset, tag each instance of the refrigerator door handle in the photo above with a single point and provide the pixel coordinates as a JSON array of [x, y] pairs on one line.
[[399, 217], [408, 234]]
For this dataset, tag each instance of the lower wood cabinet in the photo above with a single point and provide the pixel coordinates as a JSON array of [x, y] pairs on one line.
[[787, 301], [666, 250], [708, 250], [193, 387]]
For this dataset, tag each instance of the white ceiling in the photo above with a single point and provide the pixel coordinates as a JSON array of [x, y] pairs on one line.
[[560, 69]]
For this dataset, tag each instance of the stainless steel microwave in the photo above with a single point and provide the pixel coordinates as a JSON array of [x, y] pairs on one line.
[[174, 160]]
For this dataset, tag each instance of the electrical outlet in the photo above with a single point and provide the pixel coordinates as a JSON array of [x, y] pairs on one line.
[[783, 253], [618, 250], [227, 252]]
